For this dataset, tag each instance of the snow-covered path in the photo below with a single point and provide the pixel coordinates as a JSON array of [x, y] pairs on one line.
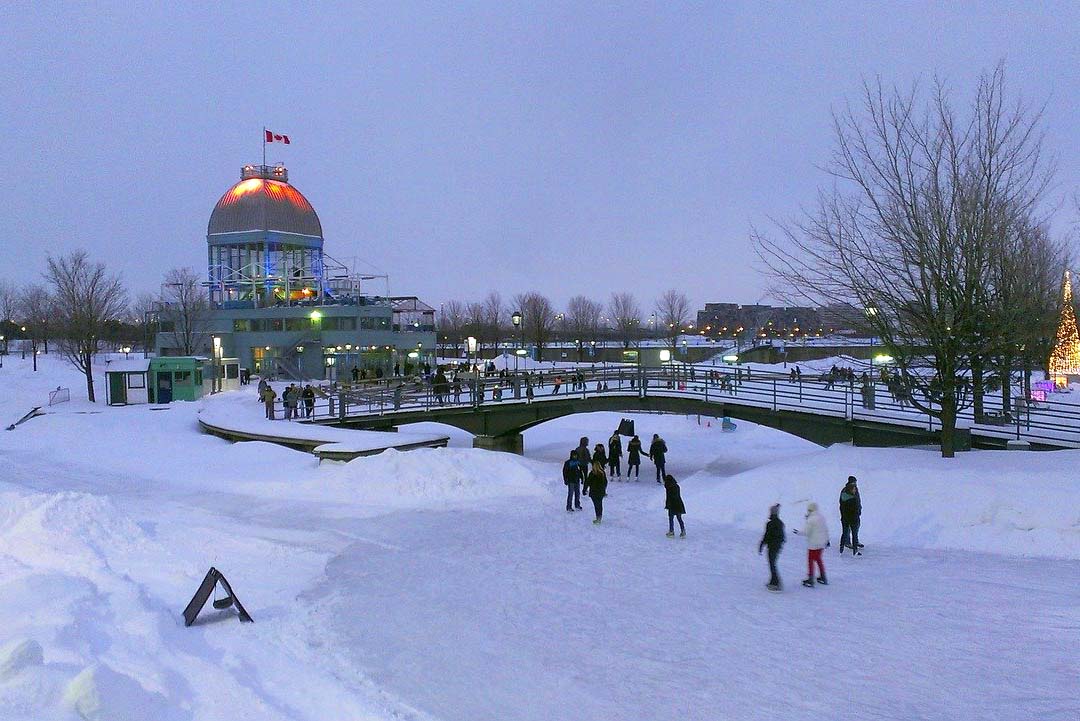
[[532, 613]]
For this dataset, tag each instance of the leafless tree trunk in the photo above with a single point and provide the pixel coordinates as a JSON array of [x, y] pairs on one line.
[[537, 319], [912, 231], [583, 321], [37, 311], [185, 306], [625, 317], [452, 322], [494, 310], [87, 298], [672, 312]]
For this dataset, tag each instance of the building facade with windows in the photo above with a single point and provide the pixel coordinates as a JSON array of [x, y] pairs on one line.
[[280, 304]]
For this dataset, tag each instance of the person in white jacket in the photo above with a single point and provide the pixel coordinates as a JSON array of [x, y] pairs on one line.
[[817, 538]]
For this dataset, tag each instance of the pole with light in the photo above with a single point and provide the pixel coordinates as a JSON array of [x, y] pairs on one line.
[[516, 320], [3, 339]]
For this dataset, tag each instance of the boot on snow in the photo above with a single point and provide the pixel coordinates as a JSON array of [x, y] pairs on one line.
[[808, 582], [682, 534], [822, 581], [774, 587], [671, 534]]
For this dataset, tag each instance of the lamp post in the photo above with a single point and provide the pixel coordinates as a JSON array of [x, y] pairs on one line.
[[3, 339], [470, 343], [516, 320]]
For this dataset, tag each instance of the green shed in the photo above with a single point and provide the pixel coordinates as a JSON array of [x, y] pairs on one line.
[[176, 378]]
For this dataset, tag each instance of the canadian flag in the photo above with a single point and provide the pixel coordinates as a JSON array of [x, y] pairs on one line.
[[271, 137]]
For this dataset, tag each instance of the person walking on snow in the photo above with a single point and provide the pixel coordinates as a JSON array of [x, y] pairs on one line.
[[269, 395], [773, 539], [597, 490], [658, 454], [633, 459], [675, 507], [817, 539], [614, 455], [571, 476], [584, 459], [850, 511]]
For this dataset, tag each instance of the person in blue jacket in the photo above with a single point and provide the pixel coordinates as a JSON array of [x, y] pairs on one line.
[[571, 476]]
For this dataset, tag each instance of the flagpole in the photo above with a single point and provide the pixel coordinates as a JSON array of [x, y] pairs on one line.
[[264, 146]]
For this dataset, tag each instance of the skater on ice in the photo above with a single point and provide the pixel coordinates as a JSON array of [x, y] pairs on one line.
[[675, 507], [773, 539], [599, 455], [817, 540], [571, 475], [658, 454], [633, 458], [584, 459], [850, 511], [597, 490], [615, 455]]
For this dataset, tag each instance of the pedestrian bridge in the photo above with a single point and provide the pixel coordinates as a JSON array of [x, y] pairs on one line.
[[496, 411]]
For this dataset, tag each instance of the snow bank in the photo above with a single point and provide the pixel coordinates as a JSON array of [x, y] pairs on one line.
[[1011, 503]]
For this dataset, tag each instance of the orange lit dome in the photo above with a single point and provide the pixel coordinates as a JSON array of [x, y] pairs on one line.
[[262, 203]]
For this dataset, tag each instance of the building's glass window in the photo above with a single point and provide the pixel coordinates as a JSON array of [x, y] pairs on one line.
[[232, 370], [241, 325], [136, 380], [296, 324], [275, 324], [182, 376], [198, 377]]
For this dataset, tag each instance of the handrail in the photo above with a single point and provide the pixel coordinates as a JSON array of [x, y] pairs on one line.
[[1049, 422]]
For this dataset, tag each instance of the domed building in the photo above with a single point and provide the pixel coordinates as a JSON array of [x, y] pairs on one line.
[[281, 306]]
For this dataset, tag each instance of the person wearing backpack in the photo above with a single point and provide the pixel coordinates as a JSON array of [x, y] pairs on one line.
[[615, 455], [571, 476]]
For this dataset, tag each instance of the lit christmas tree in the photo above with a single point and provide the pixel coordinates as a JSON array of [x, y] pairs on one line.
[[1065, 359]]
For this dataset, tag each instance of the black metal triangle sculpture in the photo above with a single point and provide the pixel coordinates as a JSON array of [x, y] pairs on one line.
[[214, 577]]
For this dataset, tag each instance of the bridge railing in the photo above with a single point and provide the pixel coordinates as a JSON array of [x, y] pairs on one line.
[[1051, 421]]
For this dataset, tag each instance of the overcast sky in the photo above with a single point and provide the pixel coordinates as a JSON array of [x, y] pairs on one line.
[[465, 147]]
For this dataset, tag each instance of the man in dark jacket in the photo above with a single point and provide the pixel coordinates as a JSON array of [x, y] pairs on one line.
[[850, 511], [584, 460], [658, 454], [773, 539], [571, 476], [615, 455]]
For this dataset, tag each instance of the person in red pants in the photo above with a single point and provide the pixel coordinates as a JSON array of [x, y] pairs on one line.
[[817, 539]]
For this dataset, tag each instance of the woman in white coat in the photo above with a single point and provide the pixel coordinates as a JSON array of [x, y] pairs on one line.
[[817, 538]]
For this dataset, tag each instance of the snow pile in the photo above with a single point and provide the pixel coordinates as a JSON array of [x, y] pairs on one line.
[[1012, 503], [437, 477]]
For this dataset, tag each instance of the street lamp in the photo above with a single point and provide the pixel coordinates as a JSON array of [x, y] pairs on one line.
[[516, 320], [470, 343]]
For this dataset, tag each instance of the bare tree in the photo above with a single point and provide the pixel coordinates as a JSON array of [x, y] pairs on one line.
[[37, 312], [8, 304], [672, 312], [87, 298], [913, 229], [494, 310], [185, 310], [625, 317], [583, 320], [537, 319], [475, 325], [452, 322]]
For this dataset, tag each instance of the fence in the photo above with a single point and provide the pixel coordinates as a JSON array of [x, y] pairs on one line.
[[1048, 421], [60, 395]]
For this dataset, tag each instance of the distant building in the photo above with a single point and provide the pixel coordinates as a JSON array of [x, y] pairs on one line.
[[733, 320], [281, 305]]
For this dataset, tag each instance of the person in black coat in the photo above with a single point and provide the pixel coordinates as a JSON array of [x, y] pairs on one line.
[[584, 459], [597, 490], [614, 455], [675, 507], [658, 454], [774, 540], [633, 458], [599, 455], [571, 476], [850, 513]]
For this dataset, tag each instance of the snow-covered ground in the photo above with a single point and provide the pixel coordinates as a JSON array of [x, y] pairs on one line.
[[451, 584]]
